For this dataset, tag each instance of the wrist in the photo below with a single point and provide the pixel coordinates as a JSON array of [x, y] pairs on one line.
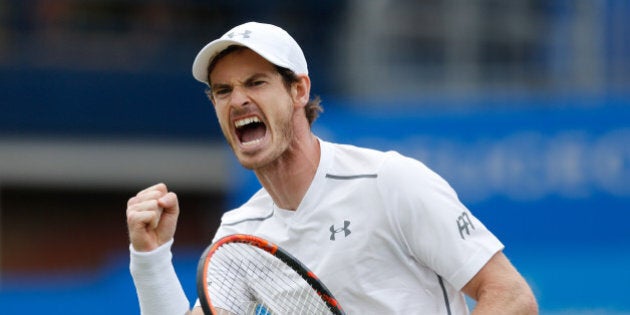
[[153, 260], [158, 288]]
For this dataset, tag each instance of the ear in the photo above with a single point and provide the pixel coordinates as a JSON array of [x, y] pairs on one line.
[[301, 90], [210, 96]]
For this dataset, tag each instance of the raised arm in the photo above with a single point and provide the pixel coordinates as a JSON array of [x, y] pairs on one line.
[[151, 220]]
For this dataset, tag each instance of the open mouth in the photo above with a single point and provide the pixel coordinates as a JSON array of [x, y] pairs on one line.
[[250, 130]]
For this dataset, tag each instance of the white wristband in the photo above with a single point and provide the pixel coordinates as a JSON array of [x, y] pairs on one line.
[[158, 288]]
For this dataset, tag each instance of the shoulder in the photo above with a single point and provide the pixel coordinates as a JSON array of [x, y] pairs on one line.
[[389, 165], [392, 170], [246, 218], [350, 159], [398, 178], [255, 208]]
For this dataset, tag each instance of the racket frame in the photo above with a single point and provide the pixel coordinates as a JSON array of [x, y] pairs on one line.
[[271, 248]]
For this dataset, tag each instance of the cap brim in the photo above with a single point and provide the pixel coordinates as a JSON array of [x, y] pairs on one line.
[[203, 59]]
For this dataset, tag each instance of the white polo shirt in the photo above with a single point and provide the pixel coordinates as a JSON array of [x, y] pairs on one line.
[[382, 231]]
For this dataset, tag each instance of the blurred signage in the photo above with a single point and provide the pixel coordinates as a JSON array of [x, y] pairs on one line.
[[523, 154]]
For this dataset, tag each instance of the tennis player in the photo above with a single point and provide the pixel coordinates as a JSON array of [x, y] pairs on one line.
[[382, 231]]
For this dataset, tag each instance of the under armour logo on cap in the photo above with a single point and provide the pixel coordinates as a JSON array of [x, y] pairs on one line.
[[244, 34]]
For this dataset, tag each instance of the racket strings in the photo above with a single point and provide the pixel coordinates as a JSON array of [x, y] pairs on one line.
[[248, 280], [225, 282]]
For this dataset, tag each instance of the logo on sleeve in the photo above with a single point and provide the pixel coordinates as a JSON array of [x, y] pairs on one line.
[[346, 231], [464, 224]]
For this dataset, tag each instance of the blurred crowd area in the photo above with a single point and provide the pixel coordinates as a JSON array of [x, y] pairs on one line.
[[356, 48], [523, 106]]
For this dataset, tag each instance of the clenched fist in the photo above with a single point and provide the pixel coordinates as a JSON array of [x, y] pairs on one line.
[[152, 217]]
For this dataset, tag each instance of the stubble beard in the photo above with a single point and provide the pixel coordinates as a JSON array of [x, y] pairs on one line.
[[281, 142]]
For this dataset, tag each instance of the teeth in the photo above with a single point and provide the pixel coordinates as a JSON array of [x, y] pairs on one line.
[[251, 142], [246, 121]]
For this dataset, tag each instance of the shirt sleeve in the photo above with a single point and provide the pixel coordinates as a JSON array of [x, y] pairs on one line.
[[434, 226]]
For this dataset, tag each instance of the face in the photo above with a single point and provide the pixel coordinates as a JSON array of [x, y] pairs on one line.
[[253, 106]]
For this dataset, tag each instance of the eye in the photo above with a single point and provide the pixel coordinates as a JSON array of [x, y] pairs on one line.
[[220, 91], [255, 83]]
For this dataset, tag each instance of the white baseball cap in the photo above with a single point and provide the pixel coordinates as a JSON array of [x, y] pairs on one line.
[[269, 41]]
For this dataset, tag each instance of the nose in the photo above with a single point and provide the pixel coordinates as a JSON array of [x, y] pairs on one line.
[[239, 97]]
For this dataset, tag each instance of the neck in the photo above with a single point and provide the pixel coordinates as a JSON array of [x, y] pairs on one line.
[[288, 178]]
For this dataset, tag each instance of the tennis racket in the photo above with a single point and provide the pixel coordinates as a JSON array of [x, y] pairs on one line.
[[245, 274]]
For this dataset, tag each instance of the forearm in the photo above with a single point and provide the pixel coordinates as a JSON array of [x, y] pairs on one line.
[[498, 288], [517, 300], [158, 288]]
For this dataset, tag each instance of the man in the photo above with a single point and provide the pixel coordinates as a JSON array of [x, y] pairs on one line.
[[391, 235]]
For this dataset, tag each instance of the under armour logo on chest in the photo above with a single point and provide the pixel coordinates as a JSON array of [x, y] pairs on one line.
[[244, 34], [346, 231]]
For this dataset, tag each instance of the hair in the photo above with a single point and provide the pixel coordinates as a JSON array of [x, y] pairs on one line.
[[312, 109]]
